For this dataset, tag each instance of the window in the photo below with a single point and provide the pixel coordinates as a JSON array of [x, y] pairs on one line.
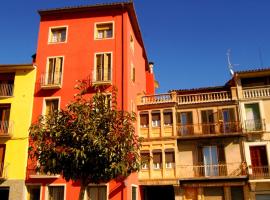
[[253, 117], [133, 73], [103, 67], [185, 123], [108, 100], [259, 162], [227, 120], [33, 192], [4, 114], [144, 120], [145, 159], [58, 34], [6, 84], [2, 159], [51, 106], [157, 159], [54, 71], [168, 118], [132, 43], [4, 193], [97, 193], [169, 158], [134, 192], [56, 192], [208, 126], [104, 30], [155, 119]]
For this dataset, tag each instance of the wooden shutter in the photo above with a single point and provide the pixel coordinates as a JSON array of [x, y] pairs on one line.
[[168, 118], [157, 157], [144, 119], [169, 157], [58, 70], [221, 154]]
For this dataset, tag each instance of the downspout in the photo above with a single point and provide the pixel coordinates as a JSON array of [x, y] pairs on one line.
[[123, 57]]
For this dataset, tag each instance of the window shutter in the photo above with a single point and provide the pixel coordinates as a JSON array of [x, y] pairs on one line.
[[189, 118], [232, 115], [157, 157], [144, 119], [169, 157], [168, 118], [221, 154], [156, 117], [200, 155]]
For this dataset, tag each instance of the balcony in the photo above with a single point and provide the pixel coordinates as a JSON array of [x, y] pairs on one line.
[[174, 172], [208, 130], [204, 97], [259, 172], [156, 99], [6, 128], [216, 171], [255, 125], [6, 90], [32, 173], [186, 99], [253, 93], [51, 80]]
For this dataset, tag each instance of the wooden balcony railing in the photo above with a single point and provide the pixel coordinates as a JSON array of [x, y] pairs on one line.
[[6, 90], [254, 93], [254, 125], [51, 80], [259, 172], [208, 129], [6, 128], [155, 99], [204, 97]]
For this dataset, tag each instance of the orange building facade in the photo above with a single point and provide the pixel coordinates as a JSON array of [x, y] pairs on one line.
[[103, 45]]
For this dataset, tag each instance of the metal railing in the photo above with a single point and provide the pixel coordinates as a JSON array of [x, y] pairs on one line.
[[6, 128], [259, 172], [51, 79], [206, 129], [6, 89], [254, 125], [256, 93]]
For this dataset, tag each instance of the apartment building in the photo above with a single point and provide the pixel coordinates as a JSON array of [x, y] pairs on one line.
[[193, 141], [254, 103], [103, 45], [16, 101]]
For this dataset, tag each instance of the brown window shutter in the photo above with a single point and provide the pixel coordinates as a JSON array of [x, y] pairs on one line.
[[221, 154], [157, 157], [200, 155], [169, 157]]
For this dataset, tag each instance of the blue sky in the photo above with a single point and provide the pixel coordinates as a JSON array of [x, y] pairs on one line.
[[186, 39]]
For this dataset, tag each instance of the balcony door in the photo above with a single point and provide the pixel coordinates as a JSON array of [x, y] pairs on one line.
[[185, 121], [210, 160], [253, 117], [54, 71], [259, 161], [228, 121], [2, 158], [208, 126]]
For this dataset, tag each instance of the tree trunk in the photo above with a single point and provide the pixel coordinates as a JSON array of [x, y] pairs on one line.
[[82, 190]]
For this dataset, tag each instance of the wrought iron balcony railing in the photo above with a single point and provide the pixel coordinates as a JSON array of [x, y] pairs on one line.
[[208, 129], [255, 125], [259, 172]]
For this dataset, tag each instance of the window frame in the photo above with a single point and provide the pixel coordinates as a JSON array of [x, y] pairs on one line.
[[54, 185], [95, 67], [47, 69], [50, 34], [96, 30], [97, 185], [33, 185], [137, 191], [50, 98]]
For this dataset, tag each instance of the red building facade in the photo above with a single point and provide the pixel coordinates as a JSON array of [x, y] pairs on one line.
[[102, 44]]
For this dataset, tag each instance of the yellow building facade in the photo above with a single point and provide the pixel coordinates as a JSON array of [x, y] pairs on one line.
[[16, 101]]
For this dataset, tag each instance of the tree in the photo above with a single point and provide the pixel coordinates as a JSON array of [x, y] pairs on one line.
[[90, 141]]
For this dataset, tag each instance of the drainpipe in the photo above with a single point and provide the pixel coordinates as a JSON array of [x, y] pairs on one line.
[[123, 57]]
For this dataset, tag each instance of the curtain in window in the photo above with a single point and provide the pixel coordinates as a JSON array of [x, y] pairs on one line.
[[97, 193], [51, 106]]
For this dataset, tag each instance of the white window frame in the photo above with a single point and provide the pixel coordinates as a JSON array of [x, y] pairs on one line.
[[50, 34], [34, 184], [103, 22], [137, 191], [50, 98], [54, 184], [95, 65], [47, 67], [97, 185]]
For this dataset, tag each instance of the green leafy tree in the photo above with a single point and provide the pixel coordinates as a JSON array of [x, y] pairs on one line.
[[90, 141]]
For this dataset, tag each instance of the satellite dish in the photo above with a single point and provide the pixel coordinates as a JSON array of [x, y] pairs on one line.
[[230, 65]]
